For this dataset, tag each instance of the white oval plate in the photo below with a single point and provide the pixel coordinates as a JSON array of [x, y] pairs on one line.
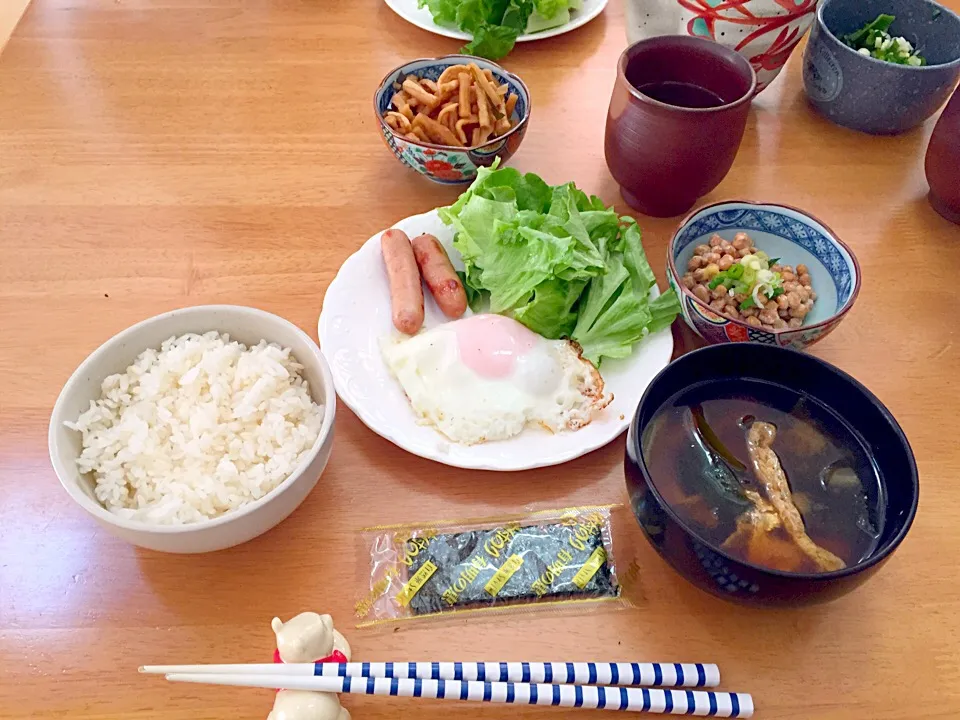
[[356, 315], [421, 17]]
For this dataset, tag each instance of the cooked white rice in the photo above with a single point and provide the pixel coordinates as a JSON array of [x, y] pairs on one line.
[[197, 429]]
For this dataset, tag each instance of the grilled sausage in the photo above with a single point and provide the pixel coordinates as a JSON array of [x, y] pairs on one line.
[[406, 292], [440, 276]]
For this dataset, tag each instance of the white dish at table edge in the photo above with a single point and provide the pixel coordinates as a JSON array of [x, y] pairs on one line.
[[421, 17], [356, 316]]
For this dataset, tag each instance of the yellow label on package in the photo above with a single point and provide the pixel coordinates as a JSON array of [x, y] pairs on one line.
[[590, 568], [416, 582], [506, 571]]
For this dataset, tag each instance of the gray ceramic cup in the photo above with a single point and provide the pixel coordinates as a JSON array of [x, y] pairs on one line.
[[871, 95]]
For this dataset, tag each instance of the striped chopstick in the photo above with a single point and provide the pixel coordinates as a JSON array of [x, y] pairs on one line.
[[617, 674], [676, 702]]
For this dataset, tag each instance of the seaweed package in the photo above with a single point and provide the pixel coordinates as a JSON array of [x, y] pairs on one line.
[[556, 558]]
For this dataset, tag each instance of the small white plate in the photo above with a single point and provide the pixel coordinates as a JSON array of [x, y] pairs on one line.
[[421, 17], [356, 315]]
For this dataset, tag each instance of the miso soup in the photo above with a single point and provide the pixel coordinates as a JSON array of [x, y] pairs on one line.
[[769, 475]]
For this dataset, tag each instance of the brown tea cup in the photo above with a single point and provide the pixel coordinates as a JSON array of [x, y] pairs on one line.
[[676, 120]]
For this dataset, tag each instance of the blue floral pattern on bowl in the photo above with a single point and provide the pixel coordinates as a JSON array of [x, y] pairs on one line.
[[442, 164], [718, 570], [799, 238]]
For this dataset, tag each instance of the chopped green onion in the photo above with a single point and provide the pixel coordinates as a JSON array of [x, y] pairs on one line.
[[880, 25], [874, 40], [727, 277], [774, 261], [751, 276], [766, 277]]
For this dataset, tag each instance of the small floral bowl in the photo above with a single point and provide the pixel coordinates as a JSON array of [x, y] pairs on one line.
[[780, 231], [442, 163]]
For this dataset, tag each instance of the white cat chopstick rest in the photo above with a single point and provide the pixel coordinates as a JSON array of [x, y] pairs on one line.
[[303, 705], [305, 638], [309, 637]]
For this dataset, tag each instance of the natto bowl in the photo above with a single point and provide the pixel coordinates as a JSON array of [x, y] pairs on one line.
[[244, 324], [442, 163], [708, 566], [780, 231], [875, 96], [765, 32]]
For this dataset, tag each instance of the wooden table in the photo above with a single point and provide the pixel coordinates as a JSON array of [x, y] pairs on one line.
[[161, 154]]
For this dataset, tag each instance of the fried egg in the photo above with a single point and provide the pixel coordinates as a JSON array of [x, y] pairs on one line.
[[487, 377]]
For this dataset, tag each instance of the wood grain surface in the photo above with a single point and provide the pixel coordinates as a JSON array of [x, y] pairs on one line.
[[160, 154], [10, 12]]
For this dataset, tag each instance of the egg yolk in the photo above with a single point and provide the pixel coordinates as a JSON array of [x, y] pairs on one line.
[[490, 344]]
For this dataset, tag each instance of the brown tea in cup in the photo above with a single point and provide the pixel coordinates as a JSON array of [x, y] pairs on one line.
[[681, 94]]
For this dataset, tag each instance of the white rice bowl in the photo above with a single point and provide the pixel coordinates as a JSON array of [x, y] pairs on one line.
[[199, 428]]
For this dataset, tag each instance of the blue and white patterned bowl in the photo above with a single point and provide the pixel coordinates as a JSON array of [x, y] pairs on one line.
[[442, 163], [780, 231]]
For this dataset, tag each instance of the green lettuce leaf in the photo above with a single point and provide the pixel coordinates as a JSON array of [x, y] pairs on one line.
[[475, 14], [528, 191], [475, 298], [444, 11], [617, 311], [634, 258], [517, 14], [587, 260], [557, 261], [496, 24], [549, 8], [550, 313]]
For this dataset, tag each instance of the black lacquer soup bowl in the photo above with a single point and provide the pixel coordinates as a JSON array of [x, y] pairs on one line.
[[708, 566]]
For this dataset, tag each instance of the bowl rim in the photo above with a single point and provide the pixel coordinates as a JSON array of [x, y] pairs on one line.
[[911, 68], [106, 348], [453, 148], [635, 447], [833, 319], [716, 48]]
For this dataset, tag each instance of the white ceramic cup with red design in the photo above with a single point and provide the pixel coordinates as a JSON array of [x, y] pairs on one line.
[[763, 31]]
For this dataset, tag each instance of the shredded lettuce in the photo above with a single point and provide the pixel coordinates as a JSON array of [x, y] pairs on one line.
[[496, 24], [557, 261]]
